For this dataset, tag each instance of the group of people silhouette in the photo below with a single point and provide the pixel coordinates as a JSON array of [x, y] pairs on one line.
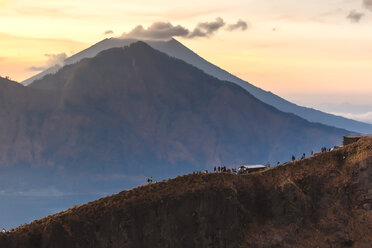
[[323, 149], [221, 169]]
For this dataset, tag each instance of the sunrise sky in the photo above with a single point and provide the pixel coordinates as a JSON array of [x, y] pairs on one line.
[[311, 52]]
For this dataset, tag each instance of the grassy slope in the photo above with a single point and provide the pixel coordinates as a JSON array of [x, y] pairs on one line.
[[322, 201]]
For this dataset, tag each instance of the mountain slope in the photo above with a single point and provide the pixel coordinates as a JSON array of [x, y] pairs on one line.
[[176, 49], [22, 110], [324, 201], [170, 110]]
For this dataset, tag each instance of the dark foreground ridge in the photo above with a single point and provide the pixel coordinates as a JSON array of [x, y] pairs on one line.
[[323, 201]]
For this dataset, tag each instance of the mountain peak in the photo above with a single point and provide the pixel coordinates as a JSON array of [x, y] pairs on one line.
[[135, 48], [8, 83], [6, 80], [140, 45]]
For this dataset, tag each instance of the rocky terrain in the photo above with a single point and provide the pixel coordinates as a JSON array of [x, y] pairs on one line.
[[323, 201]]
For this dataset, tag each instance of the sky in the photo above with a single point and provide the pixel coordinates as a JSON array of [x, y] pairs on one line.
[[315, 53]]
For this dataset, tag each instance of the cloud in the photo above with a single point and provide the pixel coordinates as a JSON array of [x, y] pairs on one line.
[[166, 30], [53, 60], [158, 31], [206, 29], [37, 68], [368, 4], [364, 117], [355, 16], [107, 32], [56, 59], [242, 25]]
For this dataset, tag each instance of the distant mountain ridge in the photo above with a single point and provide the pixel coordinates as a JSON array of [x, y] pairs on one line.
[[189, 93], [176, 49]]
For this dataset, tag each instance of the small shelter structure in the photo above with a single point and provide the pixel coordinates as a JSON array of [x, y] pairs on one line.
[[352, 138], [250, 168]]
